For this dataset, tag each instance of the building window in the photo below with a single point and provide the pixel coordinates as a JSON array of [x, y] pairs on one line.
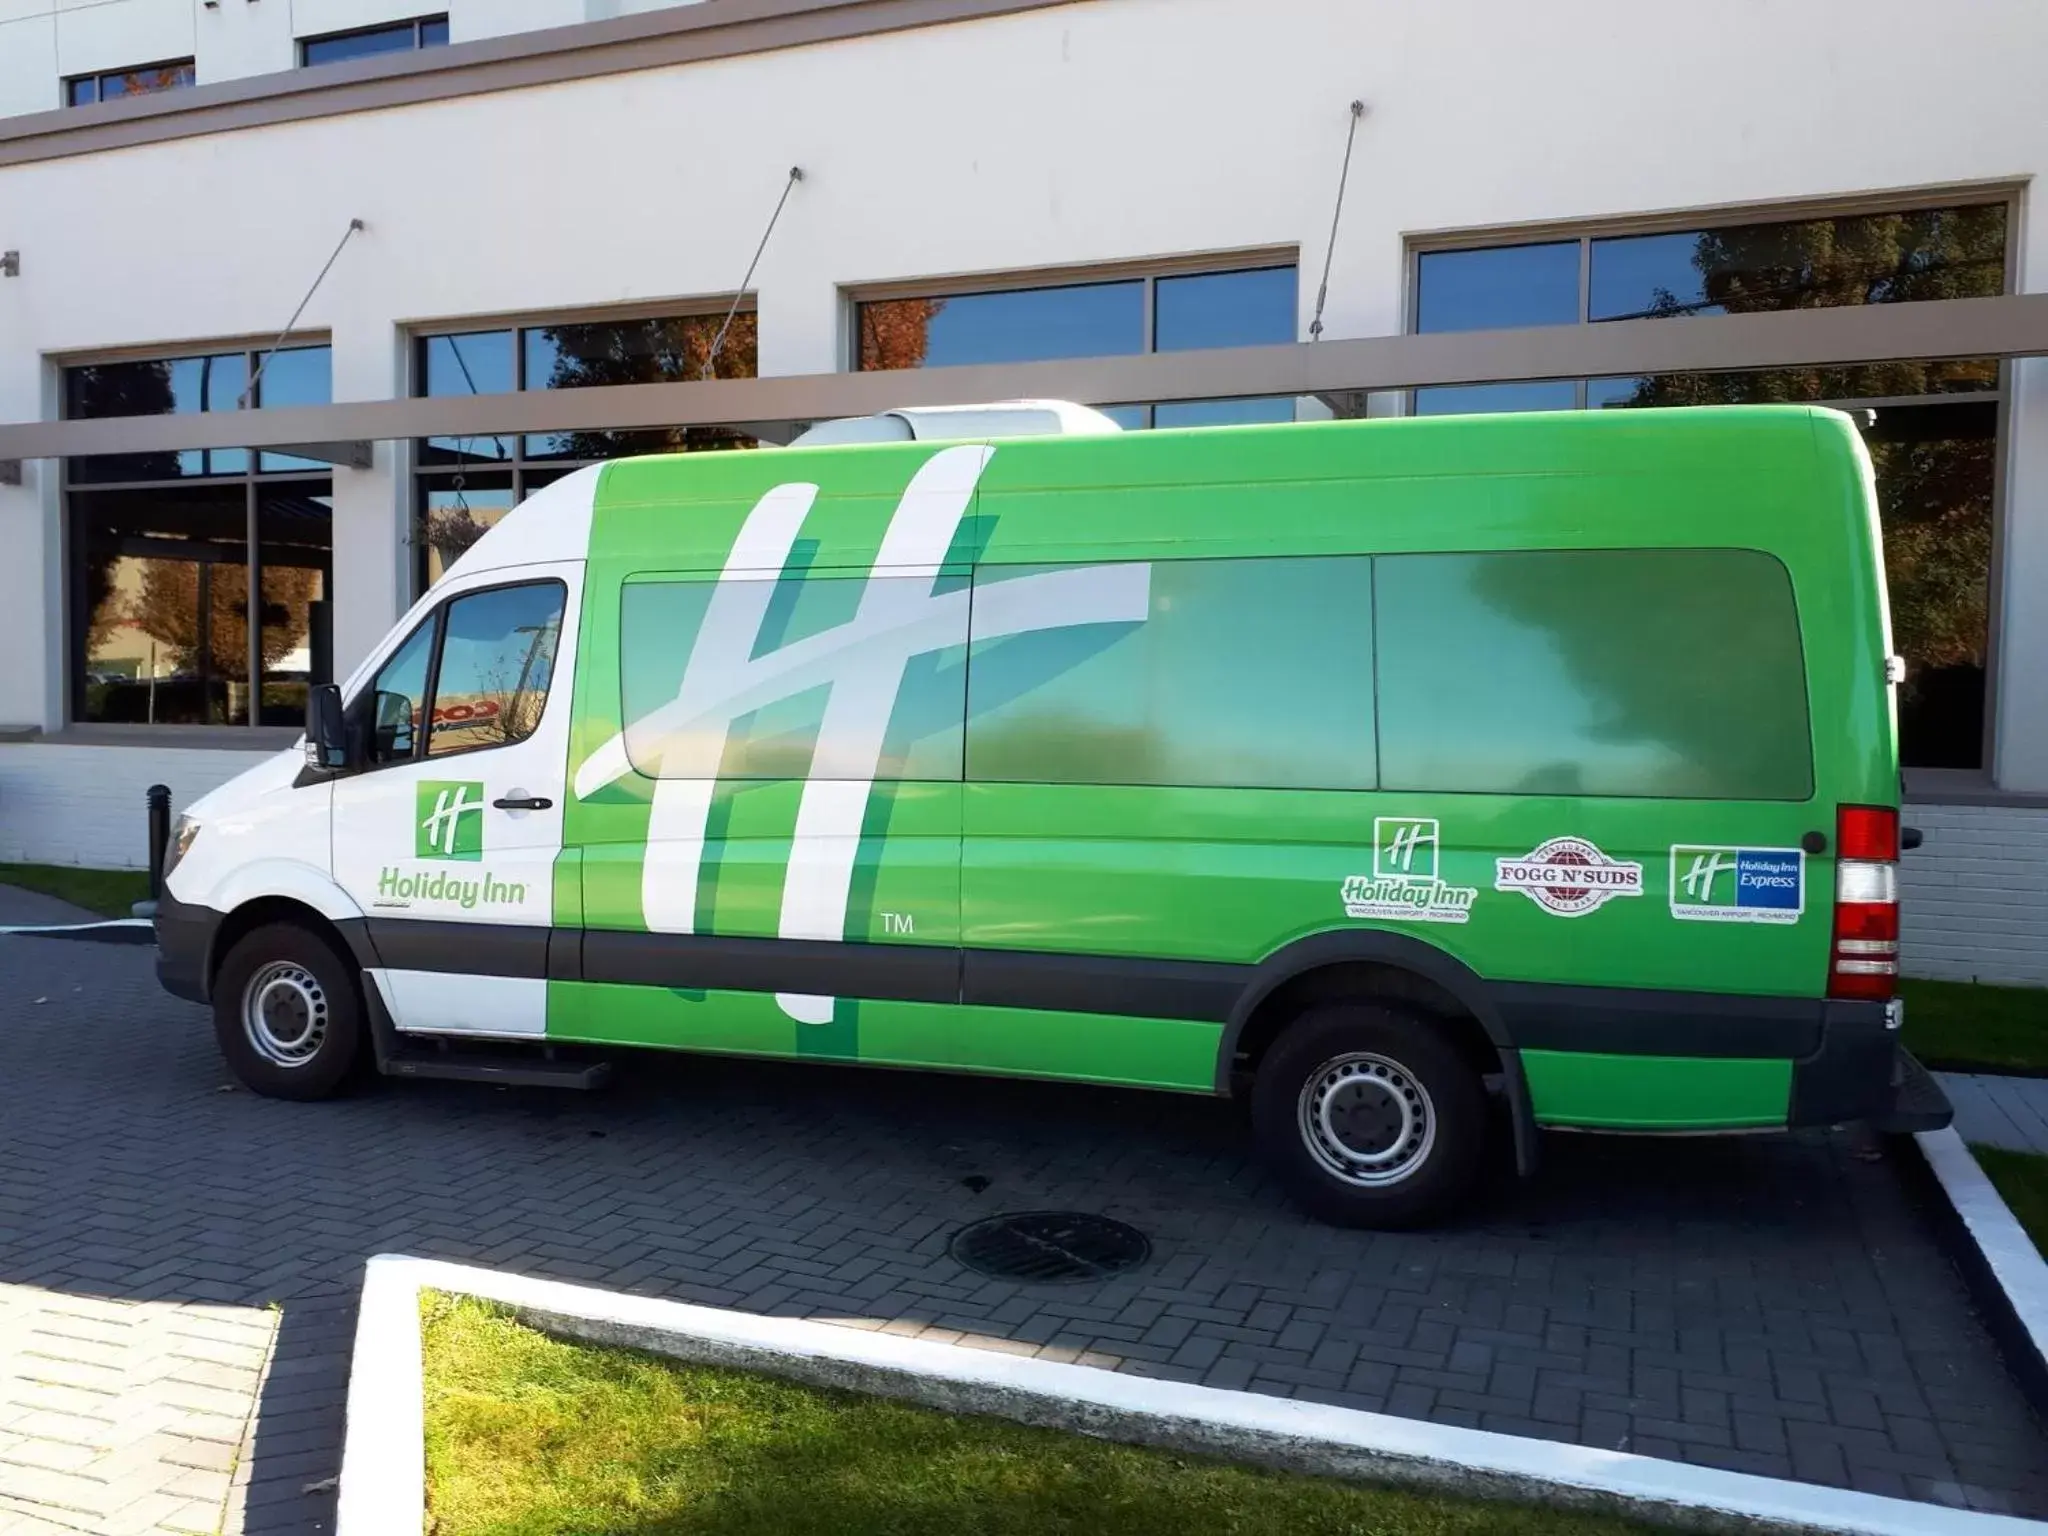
[[396, 37], [1168, 311], [194, 572], [1934, 437], [143, 80], [465, 484]]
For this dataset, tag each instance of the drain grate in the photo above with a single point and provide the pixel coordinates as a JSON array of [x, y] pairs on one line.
[[1050, 1246]]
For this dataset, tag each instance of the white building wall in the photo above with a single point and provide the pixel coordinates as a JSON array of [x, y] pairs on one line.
[[1973, 894], [29, 78], [1106, 131], [85, 805], [237, 40]]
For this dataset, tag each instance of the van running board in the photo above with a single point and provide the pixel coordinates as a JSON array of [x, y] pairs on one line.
[[506, 1070]]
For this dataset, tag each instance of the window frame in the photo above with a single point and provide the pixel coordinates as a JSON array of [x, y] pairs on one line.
[[424, 477], [1916, 782], [99, 77], [1027, 279], [416, 25], [362, 708], [255, 482]]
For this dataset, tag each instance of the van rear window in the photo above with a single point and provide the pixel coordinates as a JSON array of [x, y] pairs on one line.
[[1670, 673]]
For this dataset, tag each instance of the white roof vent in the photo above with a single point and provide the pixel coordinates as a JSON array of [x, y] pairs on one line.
[[999, 418]]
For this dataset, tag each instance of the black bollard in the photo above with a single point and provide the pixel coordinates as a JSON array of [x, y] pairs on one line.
[[159, 837]]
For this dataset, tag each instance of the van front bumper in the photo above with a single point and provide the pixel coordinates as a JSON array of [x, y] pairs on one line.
[[184, 948], [1863, 1072]]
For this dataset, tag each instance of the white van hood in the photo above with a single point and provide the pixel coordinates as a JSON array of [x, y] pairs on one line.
[[269, 774]]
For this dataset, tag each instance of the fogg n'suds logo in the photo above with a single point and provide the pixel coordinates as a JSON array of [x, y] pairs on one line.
[[903, 613]]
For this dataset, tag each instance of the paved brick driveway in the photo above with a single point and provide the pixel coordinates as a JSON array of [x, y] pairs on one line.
[[1770, 1304]]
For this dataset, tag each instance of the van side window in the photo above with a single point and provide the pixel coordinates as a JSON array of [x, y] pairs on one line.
[[847, 675], [398, 697], [1233, 673], [496, 661], [1674, 673]]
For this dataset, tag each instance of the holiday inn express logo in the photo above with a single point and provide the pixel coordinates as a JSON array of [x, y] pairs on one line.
[[448, 820]]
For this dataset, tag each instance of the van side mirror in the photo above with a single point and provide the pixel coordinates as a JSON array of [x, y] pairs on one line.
[[391, 727], [326, 730]]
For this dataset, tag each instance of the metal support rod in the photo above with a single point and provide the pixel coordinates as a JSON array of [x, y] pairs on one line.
[[256, 378], [796, 174], [1315, 325]]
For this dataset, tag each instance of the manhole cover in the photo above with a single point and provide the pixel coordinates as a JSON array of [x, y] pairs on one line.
[[1050, 1246]]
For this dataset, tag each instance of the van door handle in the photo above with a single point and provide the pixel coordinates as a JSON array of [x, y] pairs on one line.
[[523, 803]]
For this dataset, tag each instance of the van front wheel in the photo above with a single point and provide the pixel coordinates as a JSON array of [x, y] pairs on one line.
[[1370, 1116], [286, 1013]]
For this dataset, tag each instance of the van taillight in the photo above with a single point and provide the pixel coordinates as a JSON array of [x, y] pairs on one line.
[[1864, 960]]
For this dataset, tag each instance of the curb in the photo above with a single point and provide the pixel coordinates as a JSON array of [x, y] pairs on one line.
[[112, 930], [2006, 1274], [383, 1474]]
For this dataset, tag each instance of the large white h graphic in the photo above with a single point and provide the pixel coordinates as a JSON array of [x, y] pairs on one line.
[[862, 660]]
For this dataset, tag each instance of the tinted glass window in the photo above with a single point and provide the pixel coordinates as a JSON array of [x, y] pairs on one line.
[[451, 520], [1220, 413], [1027, 325], [497, 660], [1223, 309], [1204, 672], [1468, 399], [147, 81], [294, 376], [800, 702], [162, 595], [475, 363], [665, 349], [83, 93], [1875, 258], [1498, 287], [1936, 469], [400, 37], [398, 697], [1670, 673], [159, 387], [295, 554]]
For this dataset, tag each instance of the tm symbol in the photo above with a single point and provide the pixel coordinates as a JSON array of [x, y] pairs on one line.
[[897, 922]]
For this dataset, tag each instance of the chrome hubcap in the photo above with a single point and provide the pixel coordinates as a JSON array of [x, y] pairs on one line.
[[284, 1013], [1366, 1120]]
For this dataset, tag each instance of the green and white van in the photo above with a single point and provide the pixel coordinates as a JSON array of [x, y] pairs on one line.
[[1374, 770]]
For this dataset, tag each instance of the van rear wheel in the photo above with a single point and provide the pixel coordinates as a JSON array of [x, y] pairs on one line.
[[287, 1014], [1370, 1116]]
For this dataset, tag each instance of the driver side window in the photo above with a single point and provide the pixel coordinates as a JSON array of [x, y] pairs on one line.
[[398, 698], [474, 675]]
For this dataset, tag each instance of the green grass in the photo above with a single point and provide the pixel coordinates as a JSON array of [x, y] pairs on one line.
[[1959, 1026], [2022, 1178], [528, 1435], [109, 892]]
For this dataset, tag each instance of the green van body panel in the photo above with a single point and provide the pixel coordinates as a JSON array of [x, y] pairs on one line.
[[1320, 797], [1667, 1093]]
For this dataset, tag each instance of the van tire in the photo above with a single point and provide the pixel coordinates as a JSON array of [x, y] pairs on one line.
[[1380, 1083], [287, 1013]]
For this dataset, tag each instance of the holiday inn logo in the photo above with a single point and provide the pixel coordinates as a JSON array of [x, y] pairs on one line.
[[448, 820]]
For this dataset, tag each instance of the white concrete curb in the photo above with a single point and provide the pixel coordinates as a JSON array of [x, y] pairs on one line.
[[383, 1477], [2015, 1264]]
